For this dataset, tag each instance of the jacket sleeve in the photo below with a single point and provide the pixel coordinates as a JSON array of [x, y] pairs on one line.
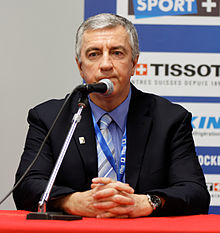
[[186, 192], [28, 193]]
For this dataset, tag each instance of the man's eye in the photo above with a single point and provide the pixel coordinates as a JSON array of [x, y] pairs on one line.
[[117, 53], [93, 55]]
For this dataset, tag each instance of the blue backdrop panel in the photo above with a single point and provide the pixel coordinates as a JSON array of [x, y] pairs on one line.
[[165, 38], [176, 39], [93, 7]]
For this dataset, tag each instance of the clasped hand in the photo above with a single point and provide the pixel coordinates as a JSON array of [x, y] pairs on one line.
[[107, 199], [112, 198]]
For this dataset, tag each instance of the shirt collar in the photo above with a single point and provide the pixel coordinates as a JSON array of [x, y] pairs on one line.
[[119, 114]]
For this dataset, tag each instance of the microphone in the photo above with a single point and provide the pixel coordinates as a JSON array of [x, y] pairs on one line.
[[104, 86]]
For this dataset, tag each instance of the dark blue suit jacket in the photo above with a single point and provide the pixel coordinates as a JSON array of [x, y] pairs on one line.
[[160, 157]]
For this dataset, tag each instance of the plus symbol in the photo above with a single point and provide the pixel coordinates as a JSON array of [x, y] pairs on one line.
[[209, 5], [141, 69]]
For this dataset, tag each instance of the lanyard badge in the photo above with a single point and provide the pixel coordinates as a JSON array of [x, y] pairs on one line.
[[121, 171]]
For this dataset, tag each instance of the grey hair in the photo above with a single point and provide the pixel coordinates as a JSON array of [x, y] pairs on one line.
[[106, 20]]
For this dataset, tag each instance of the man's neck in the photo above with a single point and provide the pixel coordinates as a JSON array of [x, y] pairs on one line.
[[107, 103]]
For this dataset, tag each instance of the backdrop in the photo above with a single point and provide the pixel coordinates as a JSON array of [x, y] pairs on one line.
[[36, 64], [180, 60]]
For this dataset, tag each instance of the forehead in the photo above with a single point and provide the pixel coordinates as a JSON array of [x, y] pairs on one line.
[[106, 36]]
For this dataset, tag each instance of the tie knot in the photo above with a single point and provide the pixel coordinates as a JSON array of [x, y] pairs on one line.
[[105, 121]]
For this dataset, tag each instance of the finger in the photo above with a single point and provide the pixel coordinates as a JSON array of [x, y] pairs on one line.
[[105, 215], [121, 210], [104, 193], [93, 186], [110, 215], [104, 205], [116, 184], [102, 180], [122, 216], [113, 201], [123, 200], [123, 187]]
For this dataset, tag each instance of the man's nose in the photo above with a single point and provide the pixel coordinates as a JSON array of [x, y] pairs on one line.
[[106, 62]]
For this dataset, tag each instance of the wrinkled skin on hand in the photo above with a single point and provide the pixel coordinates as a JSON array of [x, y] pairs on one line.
[[106, 199]]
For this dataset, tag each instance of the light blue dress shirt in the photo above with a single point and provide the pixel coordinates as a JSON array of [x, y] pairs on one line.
[[117, 126]]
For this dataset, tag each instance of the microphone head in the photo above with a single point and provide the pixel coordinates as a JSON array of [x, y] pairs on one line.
[[109, 84]]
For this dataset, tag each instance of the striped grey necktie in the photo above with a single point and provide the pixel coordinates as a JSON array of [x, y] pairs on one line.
[[104, 167]]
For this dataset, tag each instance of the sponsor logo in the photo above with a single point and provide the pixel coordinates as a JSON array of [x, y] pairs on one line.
[[209, 6], [208, 127], [209, 160], [141, 69], [204, 122], [176, 70], [154, 8], [179, 74], [206, 131], [213, 187], [217, 187]]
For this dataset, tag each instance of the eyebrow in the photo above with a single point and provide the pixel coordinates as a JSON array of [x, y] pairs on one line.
[[92, 48], [113, 48], [119, 47]]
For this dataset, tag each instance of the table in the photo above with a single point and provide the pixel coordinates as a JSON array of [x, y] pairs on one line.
[[15, 221]]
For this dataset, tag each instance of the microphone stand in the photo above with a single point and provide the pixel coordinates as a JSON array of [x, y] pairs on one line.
[[42, 204]]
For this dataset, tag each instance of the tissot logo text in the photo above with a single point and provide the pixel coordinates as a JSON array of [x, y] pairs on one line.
[[177, 70]]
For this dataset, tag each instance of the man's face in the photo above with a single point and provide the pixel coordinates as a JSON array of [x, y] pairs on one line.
[[106, 54]]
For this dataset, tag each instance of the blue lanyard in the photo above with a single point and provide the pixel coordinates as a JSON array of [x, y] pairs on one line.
[[108, 153]]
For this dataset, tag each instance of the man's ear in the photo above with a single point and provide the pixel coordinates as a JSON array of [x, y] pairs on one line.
[[134, 64], [79, 64]]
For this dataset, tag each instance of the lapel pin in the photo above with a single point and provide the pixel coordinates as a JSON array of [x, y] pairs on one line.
[[82, 140]]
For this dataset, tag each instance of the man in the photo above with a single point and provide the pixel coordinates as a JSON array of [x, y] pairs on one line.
[[159, 175]]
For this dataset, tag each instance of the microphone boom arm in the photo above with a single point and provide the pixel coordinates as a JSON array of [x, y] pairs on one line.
[[44, 199], [103, 86]]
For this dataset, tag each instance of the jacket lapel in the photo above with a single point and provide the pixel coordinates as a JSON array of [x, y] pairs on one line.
[[85, 140], [138, 130]]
